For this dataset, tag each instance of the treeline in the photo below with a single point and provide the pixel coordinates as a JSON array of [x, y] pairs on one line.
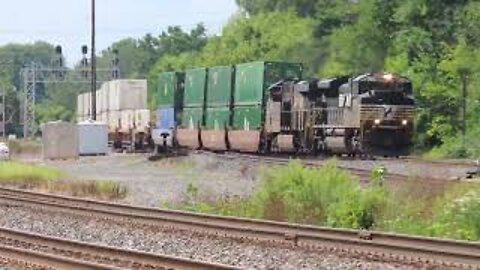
[[433, 42]]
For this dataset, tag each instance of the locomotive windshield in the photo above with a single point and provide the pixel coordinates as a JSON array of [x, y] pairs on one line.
[[385, 85]]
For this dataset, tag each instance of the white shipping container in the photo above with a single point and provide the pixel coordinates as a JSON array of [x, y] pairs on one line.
[[142, 120], [127, 120], [87, 104], [127, 95], [80, 105], [99, 106], [104, 97], [104, 117]]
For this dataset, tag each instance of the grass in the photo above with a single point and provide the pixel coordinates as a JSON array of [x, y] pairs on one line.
[[49, 179], [26, 174], [19, 147], [329, 196]]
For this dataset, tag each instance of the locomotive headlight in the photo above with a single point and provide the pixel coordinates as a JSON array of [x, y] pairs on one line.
[[404, 122], [388, 76], [376, 121]]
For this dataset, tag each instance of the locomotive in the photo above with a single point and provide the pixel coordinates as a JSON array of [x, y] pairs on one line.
[[266, 107], [367, 114]]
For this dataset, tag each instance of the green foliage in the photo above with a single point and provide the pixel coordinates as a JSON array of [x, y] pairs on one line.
[[329, 196], [326, 196], [457, 214], [21, 173]]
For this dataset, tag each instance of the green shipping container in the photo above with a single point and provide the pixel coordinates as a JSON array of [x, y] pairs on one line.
[[192, 118], [170, 90], [195, 87], [220, 86], [247, 117], [217, 118], [252, 79]]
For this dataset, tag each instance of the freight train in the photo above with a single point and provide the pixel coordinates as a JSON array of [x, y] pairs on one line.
[[122, 106], [266, 107]]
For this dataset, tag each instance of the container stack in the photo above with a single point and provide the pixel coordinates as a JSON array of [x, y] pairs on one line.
[[83, 107], [194, 98], [219, 96], [121, 104], [169, 100], [251, 83]]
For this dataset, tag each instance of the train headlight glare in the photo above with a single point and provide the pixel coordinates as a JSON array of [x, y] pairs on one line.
[[404, 122], [377, 121]]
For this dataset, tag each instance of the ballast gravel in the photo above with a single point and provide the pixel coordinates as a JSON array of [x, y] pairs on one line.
[[184, 244]]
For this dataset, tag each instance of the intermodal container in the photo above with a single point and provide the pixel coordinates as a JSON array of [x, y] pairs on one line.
[[80, 105], [220, 86], [170, 89], [217, 117], [165, 118], [126, 95], [195, 87], [192, 118], [253, 79], [247, 117]]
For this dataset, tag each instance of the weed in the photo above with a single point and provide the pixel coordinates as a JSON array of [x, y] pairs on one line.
[[49, 179], [19, 147], [26, 174], [333, 197]]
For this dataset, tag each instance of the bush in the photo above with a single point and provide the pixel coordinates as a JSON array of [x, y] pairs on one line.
[[331, 196], [294, 193], [457, 214]]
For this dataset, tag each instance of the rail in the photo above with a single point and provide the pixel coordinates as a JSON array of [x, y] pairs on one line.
[[426, 250], [29, 248]]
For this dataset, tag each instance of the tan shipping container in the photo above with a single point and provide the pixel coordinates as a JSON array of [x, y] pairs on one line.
[[142, 120], [114, 119], [127, 95], [127, 120]]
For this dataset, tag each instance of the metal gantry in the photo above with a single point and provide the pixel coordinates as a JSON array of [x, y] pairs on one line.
[[3, 117], [34, 74]]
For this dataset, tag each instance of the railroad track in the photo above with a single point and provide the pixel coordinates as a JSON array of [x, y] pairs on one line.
[[363, 174], [428, 251], [56, 253]]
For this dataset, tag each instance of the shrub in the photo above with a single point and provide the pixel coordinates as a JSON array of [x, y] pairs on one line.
[[326, 195], [457, 214]]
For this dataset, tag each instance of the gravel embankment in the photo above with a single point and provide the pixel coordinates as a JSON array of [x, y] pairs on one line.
[[174, 243]]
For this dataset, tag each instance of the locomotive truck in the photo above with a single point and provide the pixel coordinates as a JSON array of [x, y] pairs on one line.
[[267, 107]]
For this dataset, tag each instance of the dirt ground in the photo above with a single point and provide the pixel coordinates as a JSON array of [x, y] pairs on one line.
[[152, 183]]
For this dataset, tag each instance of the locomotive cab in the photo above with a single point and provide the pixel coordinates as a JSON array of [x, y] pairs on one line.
[[386, 112]]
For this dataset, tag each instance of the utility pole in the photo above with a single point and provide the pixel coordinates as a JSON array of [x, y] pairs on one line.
[[94, 67], [3, 93], [464, 105]]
